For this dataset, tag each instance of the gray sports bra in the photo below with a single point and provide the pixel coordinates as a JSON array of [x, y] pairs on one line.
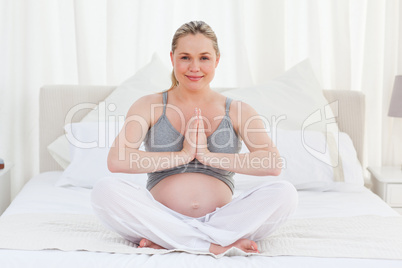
[[163, 137]]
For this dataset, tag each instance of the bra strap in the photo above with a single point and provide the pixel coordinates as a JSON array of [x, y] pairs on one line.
[[228, 102], [164, 96]]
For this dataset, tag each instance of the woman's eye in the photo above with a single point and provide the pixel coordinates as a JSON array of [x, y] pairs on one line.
[[184, 58], [204, 58]]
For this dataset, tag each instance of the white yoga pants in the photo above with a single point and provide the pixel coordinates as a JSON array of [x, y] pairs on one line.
[[131, 211]]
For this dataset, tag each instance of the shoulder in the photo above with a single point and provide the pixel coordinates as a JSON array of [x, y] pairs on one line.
[[240, 108], [146, 108], [155, 98], [145, 103]]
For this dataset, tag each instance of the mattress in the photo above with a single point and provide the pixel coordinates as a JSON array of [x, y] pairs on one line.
[[40, 195]]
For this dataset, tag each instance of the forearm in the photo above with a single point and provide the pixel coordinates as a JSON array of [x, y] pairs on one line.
[[258, 163], [129, 160]]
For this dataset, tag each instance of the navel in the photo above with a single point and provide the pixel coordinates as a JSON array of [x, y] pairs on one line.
[[195, 205]]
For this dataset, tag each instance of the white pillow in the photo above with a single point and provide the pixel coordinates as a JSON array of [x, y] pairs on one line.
[[153, 77], [90, 143], [307, 161], [296, 95], [313, 160]]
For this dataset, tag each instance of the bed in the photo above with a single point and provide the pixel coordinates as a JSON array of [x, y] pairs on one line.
[[337, 224]]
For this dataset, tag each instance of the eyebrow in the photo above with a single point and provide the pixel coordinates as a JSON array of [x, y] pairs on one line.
[[203, 53]]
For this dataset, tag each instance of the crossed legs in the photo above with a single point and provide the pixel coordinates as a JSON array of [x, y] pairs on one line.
[[131, 211]]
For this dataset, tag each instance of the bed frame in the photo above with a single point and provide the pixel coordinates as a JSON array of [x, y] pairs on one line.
[[57, 100]]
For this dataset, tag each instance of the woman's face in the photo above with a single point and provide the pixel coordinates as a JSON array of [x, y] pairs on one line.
[[194, 61]]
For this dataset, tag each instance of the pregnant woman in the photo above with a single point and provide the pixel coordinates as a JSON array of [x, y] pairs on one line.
[[192, 137]]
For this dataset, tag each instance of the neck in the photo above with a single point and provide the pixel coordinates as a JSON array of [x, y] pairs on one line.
[[193, 96]]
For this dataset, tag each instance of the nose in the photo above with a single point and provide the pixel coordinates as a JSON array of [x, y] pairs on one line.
[[194, 66]]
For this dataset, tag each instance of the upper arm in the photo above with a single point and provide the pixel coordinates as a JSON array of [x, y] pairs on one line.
[[136, 124], [252, 128]]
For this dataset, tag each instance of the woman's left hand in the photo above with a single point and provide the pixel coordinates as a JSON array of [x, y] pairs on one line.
[[202, 146]]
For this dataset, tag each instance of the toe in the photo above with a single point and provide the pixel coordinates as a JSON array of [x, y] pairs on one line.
[[143, 243], [254, 247]]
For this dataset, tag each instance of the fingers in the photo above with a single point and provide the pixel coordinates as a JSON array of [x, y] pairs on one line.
[[190, 136], [200, 122], [201, 137], [192, 128], [195, 143], [196, 123]]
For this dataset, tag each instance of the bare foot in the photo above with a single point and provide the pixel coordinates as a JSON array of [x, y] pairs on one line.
[[145, 243], [246, 245]]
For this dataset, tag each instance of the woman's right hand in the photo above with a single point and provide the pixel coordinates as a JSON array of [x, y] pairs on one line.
[[190, 137]]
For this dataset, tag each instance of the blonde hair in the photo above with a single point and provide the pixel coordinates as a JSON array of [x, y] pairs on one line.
[[193, 27]]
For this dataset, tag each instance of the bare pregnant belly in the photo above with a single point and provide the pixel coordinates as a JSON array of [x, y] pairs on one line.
[[192, 194]]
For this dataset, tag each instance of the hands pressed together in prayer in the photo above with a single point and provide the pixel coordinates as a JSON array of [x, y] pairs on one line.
[[195, 140]]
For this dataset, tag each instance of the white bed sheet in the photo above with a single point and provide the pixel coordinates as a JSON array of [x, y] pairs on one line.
[[41, 196]]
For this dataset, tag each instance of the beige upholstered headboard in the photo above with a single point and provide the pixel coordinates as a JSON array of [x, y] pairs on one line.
[[351, 116], [57, 100]]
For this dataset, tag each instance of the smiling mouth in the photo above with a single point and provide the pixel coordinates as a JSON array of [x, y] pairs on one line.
[[194, 78]]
